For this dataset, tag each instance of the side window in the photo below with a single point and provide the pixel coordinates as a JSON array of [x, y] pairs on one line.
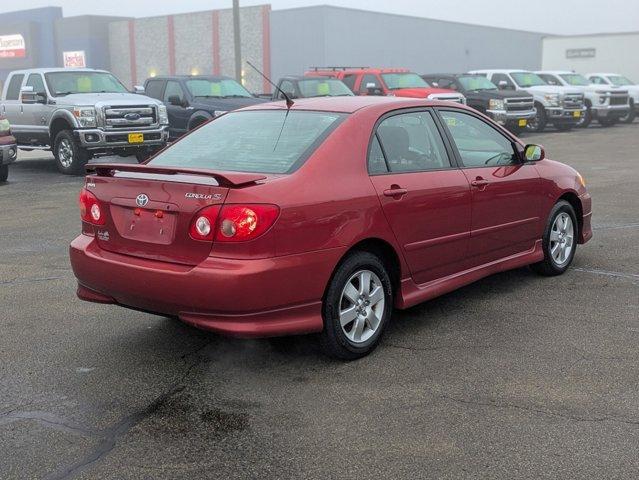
[[376, 160], [479, 144], [349, 80], [550, 79], [446, 83], [153, 89], [35, 81], [13, 90], [288, 88], [173, 89], [369, 81], [598, 80], [502, 77], [412, 143]]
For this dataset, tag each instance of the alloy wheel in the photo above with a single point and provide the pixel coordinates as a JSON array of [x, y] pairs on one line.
[[361, 307], [65, 153], [562, 236]]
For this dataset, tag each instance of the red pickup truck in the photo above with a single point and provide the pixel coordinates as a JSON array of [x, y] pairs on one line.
[[398, 82], [8, 149]]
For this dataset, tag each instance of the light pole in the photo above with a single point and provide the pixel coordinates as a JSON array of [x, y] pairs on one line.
[[237, 41]]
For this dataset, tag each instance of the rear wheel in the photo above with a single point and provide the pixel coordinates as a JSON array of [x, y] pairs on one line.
[[70, 157], [559, 241], [538, 122], [357, 307], [4, 173]]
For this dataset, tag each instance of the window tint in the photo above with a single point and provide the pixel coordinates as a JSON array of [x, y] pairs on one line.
[[173, 89], [411, 143], [498, 77], [261, 141], [13, 90], [479, 144], [154, 89], [550, 79], [369, 80], [35, 81], [349, 80], [376, 160]]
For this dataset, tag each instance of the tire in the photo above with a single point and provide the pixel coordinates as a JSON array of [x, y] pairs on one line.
[[144, 154], [555, 263], [632, 114], [607, 122], [564, 127], [370, 313], [4, 173], [69, 156], [586, 120], [539, 122]]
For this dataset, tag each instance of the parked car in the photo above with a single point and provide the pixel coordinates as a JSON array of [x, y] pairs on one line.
[[606, 104], [192, 100], [617, 80], [8, 149], [508, 108], [81, 113], [398, 82], [323, 217], [310, 87], [561, 106]]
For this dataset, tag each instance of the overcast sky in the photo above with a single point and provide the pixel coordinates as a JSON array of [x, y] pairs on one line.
[[551, 16]]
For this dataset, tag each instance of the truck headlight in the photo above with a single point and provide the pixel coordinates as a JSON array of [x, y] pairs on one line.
[[552, 99], [163, 117], [85, 117], [496, 104]]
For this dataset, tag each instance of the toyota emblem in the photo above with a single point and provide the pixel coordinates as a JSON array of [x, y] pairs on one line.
[[141, 200]]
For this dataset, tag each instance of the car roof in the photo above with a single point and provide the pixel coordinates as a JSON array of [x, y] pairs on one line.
[[189, 77], [557, 72], [352, 104], [362, 70], [499, 70], [314, 77], [606, 74], [55, 70]]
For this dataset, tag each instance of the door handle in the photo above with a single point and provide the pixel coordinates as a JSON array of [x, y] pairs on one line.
[[479, 182], [395, 191]]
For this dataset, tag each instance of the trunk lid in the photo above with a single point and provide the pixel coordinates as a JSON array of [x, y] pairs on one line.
[[148, 210]]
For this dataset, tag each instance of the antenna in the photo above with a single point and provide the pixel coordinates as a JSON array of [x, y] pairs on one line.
[[289, 102]]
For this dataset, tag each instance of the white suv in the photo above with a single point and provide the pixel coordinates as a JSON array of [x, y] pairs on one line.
[[619, 81], [606, 103], [561, 106]]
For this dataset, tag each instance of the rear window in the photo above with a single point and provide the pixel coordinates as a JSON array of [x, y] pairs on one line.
[[259, 141]]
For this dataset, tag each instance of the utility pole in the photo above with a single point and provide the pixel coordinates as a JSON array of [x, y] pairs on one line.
[[237, 41]]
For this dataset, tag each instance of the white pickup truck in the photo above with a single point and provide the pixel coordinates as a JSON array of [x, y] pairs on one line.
[[561, 106], [605, 103], [81, 113], [618, 80]]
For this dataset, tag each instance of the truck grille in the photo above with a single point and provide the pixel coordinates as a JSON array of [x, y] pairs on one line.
[[618, 99], [573, 101], [523, 104], [138, 117]]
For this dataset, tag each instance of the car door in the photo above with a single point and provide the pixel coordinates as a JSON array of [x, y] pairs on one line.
[[506, 192], [177, 108], [11, 105], [425, 197], [36, 115]]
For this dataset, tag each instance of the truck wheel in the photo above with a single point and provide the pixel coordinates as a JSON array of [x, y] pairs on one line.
[[144, 154], [586, 118], [69, 156], [607, 122], [564, 127], [539, 122], [631, 114], [4, 173]]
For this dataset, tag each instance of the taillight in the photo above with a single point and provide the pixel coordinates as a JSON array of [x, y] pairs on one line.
[[239, 223], [90, 209], [203, 225]]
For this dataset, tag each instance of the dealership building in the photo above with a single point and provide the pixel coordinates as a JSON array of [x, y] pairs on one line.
[[279, 42]]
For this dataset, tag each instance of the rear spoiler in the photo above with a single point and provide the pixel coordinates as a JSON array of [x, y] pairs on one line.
[[229, 179]]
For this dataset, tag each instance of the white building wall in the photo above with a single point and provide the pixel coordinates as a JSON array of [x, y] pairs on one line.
[[612, 53]]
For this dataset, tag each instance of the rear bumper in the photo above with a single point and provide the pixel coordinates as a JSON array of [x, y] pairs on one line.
[[247, 298]]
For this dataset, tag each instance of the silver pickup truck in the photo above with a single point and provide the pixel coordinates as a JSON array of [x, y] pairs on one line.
[[81, 113]]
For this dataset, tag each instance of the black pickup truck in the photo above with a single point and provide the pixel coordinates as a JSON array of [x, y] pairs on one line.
[[508, 108], [308, 87], [192, 100]]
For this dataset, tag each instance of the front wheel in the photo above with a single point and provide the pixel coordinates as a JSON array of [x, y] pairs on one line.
[[357, 307], [630, 116], [538, 122], [4, 173], [70, 157], [586, 119], [607, 122], [559, 241]]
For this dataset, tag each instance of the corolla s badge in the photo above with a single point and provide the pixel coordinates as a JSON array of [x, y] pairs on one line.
[[141, 200]]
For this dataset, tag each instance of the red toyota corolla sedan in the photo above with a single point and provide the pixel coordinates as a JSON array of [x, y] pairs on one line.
[[323, 218]]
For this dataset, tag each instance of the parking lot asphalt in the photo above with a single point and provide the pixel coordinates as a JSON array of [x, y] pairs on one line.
[[516, 376]]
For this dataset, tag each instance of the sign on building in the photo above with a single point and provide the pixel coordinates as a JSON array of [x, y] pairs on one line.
[[76, 59], [12, 46], [581, 52]]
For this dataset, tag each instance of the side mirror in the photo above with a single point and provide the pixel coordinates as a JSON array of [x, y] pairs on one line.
[[139, 89], [28, 95], [176, 101], [503, 85], [534, 153]]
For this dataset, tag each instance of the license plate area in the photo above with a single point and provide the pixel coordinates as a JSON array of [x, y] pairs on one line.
[[136, 137], [576, 114], [522, 122], [143, 225]]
